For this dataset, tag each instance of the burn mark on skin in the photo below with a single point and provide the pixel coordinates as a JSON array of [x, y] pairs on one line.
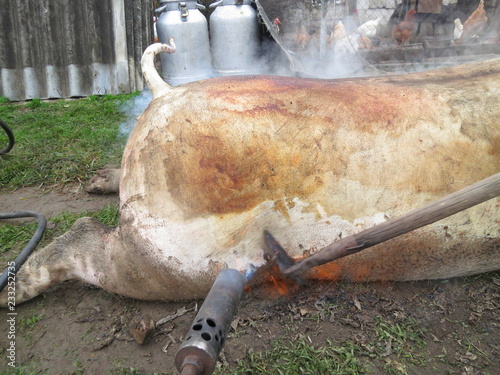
[[231, 178], [494, 149], [365, 106], [238, 142], [281, 207], [269, 109], [237, 169]]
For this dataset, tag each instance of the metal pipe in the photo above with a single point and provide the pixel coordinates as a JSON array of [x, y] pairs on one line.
[[200, 350], [28, 249], [10, 136], [189, 369]]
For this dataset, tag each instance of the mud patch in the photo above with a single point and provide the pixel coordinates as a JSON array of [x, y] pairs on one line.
[[53, 202]]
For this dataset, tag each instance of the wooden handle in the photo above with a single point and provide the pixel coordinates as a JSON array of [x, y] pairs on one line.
[[451, 204]]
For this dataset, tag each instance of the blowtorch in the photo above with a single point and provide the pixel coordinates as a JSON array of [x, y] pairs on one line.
[[200, 350]]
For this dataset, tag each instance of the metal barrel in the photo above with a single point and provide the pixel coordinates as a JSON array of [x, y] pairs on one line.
[[189, 27], [234, 38]]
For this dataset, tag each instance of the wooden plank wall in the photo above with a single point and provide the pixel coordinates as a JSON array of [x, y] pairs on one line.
[[72, 48]]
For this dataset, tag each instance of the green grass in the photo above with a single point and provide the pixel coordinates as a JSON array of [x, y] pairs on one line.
[[21, 370], [29, 323], [403, 335], [60, 141], [14, 236], [405, 339], [299, 357], [127, 371]]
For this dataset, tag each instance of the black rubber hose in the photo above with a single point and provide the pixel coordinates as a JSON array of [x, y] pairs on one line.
[[28, 249], [10, 135]]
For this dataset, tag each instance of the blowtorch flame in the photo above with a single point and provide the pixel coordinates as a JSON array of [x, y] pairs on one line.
[[281, 287]]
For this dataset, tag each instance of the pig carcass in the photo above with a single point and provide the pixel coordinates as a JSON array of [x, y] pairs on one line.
[[214, 163]]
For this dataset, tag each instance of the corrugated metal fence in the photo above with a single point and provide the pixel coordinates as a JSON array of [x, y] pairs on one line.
[[72, 48]]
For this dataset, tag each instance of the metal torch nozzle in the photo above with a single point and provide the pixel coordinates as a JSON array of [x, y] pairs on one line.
[[199, 352]]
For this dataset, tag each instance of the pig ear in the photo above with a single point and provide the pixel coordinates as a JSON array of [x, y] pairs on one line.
[[157, 85]]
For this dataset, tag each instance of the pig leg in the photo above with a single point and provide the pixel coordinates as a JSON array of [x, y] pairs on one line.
[[77, 254]]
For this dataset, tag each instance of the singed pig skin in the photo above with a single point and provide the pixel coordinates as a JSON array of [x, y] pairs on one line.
[[312, 160], [213, 163]]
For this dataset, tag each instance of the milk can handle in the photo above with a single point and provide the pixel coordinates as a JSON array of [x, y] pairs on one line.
[[183, 9], [217, 3], [161, 9], [213, 5]]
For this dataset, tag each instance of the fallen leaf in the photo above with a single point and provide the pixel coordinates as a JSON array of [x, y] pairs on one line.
[[357, 303], [141, 328]]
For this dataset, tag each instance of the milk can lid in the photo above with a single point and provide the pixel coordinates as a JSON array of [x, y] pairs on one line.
[[173, 5], [231, 2], [177, 1]]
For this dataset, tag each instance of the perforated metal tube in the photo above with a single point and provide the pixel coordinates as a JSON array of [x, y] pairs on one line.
[[207, 334]]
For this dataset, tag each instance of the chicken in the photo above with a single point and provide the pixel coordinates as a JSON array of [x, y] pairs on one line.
[[474, 24], [155, 33], [301, 37], [369, 28], [339, 32], [402, 31], [457, 32], [276, 24], [365, 43]]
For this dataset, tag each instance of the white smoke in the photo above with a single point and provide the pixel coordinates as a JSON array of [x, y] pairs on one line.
[[338, 59], [132, 109]]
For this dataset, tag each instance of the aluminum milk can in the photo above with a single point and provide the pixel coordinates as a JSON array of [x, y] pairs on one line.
[[234, 37], [191, 60]]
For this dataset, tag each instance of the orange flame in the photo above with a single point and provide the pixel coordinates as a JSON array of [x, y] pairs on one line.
[[281, 287], [275, 283]]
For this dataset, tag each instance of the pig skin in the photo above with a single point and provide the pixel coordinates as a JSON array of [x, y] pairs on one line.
[[213, 163]]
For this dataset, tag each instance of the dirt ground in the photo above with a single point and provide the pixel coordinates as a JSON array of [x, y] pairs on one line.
[[452, 326]]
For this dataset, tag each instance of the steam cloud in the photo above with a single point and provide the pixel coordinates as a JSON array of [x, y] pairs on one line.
[[342, 61], [132, 109]]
